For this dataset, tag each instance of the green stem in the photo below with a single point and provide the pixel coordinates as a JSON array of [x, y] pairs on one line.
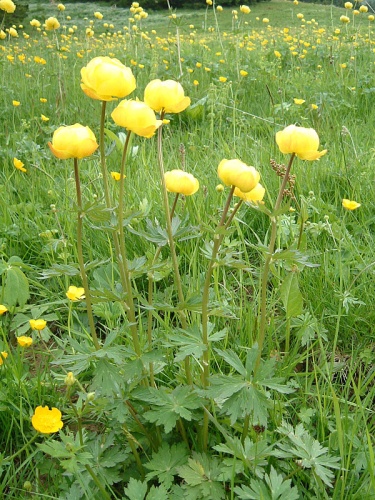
[[80, 215], [218, 238], [172, 246], [107, 194], [18, 452], [123, 257], [266, 269]]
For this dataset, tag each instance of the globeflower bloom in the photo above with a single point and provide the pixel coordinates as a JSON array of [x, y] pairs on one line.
[[75, 293], [178, 181], [24, 341], [74, 141], [46, 420], [8, 6], [303, 142], [37, 324], [344, 19], [61, 7], [137, 117], [167, 96], [35, 23], [245, 9], [256, 195], [350, 204], [98, 15], [52, 24], [106, 79], [238, 174]]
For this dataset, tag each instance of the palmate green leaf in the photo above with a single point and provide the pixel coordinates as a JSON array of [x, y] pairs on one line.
[[165, 461], [233, 360], [291, 296], [168, 406], [136, 490], [158, 493], [201, 475], [272, 487]]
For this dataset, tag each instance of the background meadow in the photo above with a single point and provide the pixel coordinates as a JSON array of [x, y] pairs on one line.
[[304, 430]]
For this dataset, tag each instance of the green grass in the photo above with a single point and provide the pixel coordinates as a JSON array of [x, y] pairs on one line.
[[300, 420]]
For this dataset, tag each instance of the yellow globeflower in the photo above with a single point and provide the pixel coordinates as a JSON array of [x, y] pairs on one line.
[[8, 6], [61, 7], [19, 165], [106, 78], [255, 195], [3, 309], [45, 420], [75, 293], [178, 181], [371, 17], [238, 174], [37, 324], [3, 355], [219, 8], [35, 23], [167, 96], [98, 15], [74, 141], [350, 204], [13, 33], [137, 117], [348, 5], [363, 8], [52, 24], [245, 9], [24, 341], [3, 35], [344, 19], [304, 142]]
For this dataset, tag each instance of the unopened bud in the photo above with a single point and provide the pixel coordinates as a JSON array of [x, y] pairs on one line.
[[70, 379], [90, 396], [219, 188]]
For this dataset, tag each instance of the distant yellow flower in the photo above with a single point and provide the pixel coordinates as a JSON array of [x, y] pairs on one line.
[[46, 421], [348, 5], [277, 54], [43, 99], [371, 17], [3, 35], [223, 79], [178, 181], [350, 204], [16, 103], [117, 176], [243, 72], [13, 33], [236, 173], [35, 23], [44, 118], [255, 195], [300, 16], [52, 24], [344, 19], [8, 6], [313, 106], [61, 7], [24, 341], [19, 165], [219, 8], [303, 142], [295, 2], [266, 20], [363, 8], [98, 15], [343, 65], [209, 2], [3, 356], [196, 83], [298, 101], [37, 324], [3, 309], [245, 9], [75, 293]]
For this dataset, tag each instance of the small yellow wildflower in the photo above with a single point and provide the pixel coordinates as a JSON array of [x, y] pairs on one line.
[[3, 309], [350, 204], [117, 176], [37, 324], [46, 421], [24, 341], [44, 118], [75, 293], [19, 165], [3, 356]]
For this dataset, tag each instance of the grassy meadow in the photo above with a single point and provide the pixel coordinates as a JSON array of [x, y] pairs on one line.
[[213, 348]]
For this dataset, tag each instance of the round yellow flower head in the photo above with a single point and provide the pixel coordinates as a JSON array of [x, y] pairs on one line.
[[3, 309], [167, 96], [3, 356], [348, 5], [245, 9], [363, 8], [13, 33], [3, 35], [24, 341], [61, 7], [116, 176], [74, 141], [303, 142], [299, 16], [8, 6], [344, 19], [256, 195], [75, 293], [219, 8], [35, 23], [350, 204], [238, 174], [106, 78], [298, 101], [178, 181], [137, 117], [19, 165], [52, 24], [243, 72], [37, 324], [46, 420], [98, 15]]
